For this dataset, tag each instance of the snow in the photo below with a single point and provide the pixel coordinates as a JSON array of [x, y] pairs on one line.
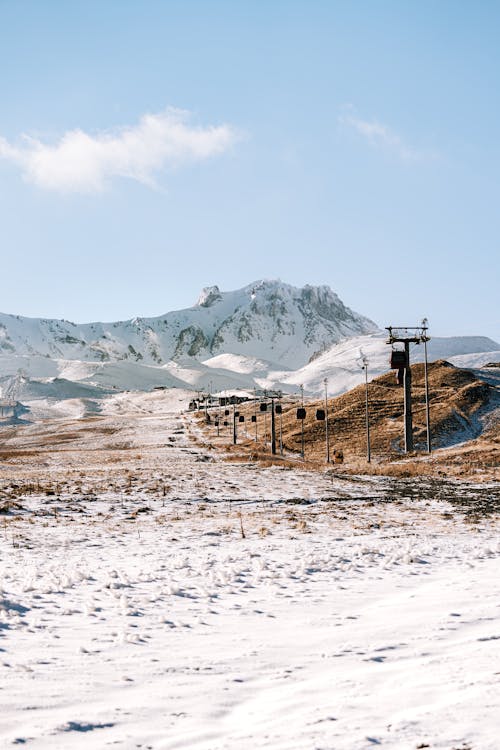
[[266, 335], [238, 363], [340, 364], [477, 360], [267, 319], [170, 599]]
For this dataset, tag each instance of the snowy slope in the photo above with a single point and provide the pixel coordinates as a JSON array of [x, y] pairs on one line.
[[266, 335], [340, 364], [267, 319]]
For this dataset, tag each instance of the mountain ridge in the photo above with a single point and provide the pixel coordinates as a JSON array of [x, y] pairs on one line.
[[267, 335], [286, 324]]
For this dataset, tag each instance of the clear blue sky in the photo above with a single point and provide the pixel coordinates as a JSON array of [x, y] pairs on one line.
[[354, 144]]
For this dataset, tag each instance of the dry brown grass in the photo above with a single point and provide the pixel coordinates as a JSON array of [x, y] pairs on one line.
[[457, 397]]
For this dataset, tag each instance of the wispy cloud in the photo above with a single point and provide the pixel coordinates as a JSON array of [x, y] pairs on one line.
[[381, 136], [83, 162]]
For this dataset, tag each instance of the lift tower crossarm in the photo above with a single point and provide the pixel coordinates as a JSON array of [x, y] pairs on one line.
[[410, 334]]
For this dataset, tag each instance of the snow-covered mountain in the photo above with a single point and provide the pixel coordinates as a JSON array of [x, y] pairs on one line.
[[268, 319], [266, 335]]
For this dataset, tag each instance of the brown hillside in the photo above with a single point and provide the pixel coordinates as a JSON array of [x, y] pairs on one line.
[[459, 407], [455, 398]]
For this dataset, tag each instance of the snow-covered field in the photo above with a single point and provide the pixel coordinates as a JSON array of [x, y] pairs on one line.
[[165, 598]]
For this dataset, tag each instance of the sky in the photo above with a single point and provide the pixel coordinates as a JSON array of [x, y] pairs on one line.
[[151, 148]]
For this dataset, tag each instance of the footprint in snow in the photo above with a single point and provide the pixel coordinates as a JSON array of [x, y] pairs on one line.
[[489, 638], [79, 726]]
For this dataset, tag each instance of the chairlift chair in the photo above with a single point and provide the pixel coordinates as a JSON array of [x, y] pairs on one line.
[[398, 359]]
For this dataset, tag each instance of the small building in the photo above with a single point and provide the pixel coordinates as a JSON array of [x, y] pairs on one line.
[[8, 408]]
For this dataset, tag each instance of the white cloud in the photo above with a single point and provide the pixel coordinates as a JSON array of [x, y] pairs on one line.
[[80, 162], [381, 136]]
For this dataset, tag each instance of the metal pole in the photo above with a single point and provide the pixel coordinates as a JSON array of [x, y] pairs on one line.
[[302, 452], [427, 411], [368, 451], [273, 429], [407, 402], [327, 435], [255, 413], [281, 432], [234, 424]]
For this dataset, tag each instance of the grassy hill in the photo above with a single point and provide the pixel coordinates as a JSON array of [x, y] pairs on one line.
[[464, 413]]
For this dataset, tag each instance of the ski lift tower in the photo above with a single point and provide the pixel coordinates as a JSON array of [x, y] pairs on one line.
[[406, 335], [273, 396]]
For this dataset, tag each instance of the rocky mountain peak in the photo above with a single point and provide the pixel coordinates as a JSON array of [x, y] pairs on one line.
[[268, 319], [209, 295]]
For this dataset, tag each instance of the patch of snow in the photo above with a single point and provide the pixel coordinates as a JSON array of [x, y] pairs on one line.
[[134, 612]]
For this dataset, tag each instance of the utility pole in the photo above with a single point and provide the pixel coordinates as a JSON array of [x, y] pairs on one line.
[[234, 424], [265, 430], [302, 420], [367, 419], [273, 429], [281, 430], [255, 413], [327, 436], [425, 339]]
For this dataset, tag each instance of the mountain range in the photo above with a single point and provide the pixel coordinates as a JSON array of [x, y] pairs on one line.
[[267, 335], [268, 319]]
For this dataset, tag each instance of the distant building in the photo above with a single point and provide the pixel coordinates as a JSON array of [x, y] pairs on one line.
[[8, 408]]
